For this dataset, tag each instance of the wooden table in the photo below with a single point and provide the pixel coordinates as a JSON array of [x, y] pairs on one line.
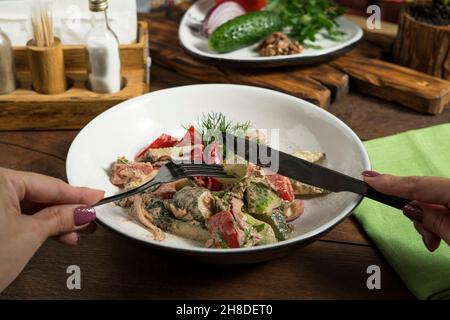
[[114, 267]]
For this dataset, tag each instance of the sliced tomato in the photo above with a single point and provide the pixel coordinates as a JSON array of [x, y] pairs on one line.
[[209, 183], [213, 184], [223, 224], [249, 5], [163, 141], [251, 168], [124, 173], [200, 181], [192, 137], [197, 153], [213, 153], [294, 210], [283, 186]]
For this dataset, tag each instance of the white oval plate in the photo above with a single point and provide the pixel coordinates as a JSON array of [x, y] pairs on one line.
[[197, 45], [128, 127]]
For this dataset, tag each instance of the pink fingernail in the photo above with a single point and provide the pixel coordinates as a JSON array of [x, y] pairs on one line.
[[83, 215], [370, 174]]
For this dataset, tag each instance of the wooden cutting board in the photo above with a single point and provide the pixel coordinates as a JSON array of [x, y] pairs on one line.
[[320, 84]]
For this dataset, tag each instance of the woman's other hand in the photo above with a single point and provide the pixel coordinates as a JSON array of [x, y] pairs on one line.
[[430, 208]]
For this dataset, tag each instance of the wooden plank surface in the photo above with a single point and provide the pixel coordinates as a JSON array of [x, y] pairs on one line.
[[125, 270], [26, 109]]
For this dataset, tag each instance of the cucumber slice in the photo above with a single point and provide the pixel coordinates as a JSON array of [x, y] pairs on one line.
[[238, 171], [191, 230], [277, 222], [164, 220], [263, 229], [261, 199], [194, 202]]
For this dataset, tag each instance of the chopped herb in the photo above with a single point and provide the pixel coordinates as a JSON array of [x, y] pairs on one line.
[[304, 19], [123, 160], [260, 227], [212, 124], [216, 122], [221, 241]]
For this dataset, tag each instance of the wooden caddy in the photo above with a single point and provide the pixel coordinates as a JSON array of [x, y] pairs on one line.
[[423, 47], [24, 108]]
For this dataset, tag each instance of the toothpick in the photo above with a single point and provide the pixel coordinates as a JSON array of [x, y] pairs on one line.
[[42, 24]]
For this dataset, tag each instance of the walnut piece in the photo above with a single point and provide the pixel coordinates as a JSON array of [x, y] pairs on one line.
[[279, 43]]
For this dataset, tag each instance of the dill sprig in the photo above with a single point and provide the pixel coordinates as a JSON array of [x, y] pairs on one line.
[[213, 123], [122, 159]]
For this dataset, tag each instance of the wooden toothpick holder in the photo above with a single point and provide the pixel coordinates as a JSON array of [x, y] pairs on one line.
[[47, 67]]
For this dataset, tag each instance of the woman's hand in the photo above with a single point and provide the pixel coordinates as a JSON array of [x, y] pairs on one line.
[[430, 210], [33, 208]]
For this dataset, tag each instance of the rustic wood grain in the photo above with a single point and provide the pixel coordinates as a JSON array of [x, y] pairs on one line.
[[423, 47], [321, 86], [388, 81], [371, 117], [113, 267], [25, 108], [383, 38]]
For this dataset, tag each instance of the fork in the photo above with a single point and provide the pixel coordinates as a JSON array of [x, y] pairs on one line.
[[171, 172]]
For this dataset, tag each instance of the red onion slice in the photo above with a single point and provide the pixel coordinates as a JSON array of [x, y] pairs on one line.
[[220, 14]]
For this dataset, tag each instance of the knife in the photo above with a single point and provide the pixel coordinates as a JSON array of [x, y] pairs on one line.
[[307, 172]]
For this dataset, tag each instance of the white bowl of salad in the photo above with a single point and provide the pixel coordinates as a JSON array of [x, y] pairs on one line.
[[253, 217]]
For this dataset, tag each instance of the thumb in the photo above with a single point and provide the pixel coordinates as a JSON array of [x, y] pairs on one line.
[[61, 219], [436, 219]]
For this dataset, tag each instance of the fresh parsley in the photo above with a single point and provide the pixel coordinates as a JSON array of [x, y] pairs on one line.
[[304, 19]]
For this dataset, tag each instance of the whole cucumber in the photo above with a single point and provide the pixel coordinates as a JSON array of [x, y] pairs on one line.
[[244, 30]]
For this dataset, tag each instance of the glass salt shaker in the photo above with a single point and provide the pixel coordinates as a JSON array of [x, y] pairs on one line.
[[103, 54]]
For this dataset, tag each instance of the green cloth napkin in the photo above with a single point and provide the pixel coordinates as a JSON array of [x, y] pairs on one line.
[[424, 152]]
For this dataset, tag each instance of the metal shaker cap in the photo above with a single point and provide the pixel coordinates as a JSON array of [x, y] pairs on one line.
[[98, 5]]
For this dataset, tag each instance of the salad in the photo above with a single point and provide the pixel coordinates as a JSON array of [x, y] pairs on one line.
[[254, 208], [281, 27]]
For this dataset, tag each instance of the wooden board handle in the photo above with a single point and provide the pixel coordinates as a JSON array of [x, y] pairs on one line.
[[413, 89]]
